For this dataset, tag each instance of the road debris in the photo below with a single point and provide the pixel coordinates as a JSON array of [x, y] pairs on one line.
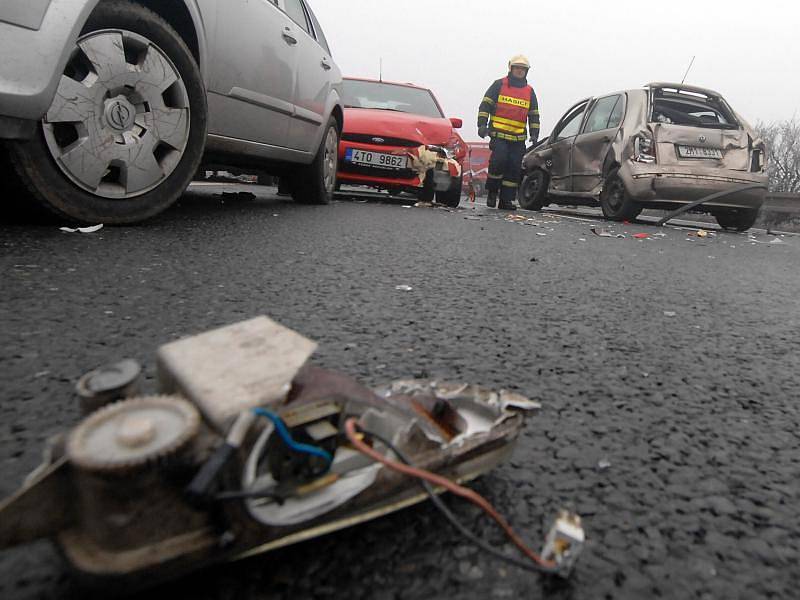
[[247, 448], [605, 233], [670, 313], [754, 240], [91, 229], [403, 288], [516, 218], [604, 464], [236, 196], [641, 236]]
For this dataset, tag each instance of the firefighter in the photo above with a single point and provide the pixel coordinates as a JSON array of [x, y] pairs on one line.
[[508, 108]]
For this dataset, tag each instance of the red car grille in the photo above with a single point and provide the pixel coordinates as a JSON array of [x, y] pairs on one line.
[[363, 138]]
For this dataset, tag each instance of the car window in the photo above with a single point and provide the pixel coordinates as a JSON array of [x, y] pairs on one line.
[[295, 10], [601, 113], [318, 29], [571, 124], [388, 96], [617, 114], [691, 109]]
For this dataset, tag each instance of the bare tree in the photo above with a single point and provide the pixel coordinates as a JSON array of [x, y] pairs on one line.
[[783, 148]]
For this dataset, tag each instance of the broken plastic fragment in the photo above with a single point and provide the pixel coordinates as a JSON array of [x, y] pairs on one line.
[[641, 236], [601, 232], [403, 288], [670, 313], [91, 229]]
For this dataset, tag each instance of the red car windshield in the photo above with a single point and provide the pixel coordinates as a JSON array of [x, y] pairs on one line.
[[387, 96]]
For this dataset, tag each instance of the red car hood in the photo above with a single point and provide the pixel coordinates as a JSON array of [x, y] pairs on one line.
[[393, 124]]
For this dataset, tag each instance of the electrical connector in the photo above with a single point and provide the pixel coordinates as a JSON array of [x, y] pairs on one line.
[[564, 542]]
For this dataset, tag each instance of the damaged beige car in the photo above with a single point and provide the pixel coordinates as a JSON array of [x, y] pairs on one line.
[[664, 146]]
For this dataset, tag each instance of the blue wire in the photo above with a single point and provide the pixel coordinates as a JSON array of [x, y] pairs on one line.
[[280, 427]]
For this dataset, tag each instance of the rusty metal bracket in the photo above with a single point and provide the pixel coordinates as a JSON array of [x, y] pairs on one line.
[[716, 196]]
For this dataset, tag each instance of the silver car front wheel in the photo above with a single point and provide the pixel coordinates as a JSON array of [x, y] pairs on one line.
[[120, 120], [127, 126]]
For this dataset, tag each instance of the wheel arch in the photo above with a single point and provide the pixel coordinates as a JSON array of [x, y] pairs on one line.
[[338, 114], [184, 17]]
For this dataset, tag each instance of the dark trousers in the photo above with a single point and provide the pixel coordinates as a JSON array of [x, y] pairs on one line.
[[505, 169]]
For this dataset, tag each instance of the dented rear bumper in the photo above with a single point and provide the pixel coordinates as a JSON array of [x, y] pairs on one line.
[[662, 186]]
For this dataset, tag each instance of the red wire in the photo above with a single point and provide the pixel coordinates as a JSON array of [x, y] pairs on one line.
[[451, 486]]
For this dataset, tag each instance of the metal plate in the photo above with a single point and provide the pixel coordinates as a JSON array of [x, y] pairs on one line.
[[699, 152], [381, 160]]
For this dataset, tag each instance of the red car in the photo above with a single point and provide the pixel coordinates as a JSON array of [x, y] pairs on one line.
[[397, 138], [476, 168]]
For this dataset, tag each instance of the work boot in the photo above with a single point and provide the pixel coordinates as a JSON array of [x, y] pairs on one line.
[[491, 198], [506, 206]]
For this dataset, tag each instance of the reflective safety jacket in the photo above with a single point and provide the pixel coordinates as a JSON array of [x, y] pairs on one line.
[[511, 105]]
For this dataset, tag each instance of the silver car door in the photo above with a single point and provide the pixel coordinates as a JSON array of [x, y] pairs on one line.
[[592, 145], [252, 82], [315, 69], [559, 153]]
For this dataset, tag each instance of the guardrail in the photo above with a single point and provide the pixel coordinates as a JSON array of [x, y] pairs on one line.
[[780, 211]]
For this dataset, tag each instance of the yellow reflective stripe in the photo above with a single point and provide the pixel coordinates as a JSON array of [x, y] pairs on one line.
[[487, 99], [510, 184], [535, 126], [505, 121], [534, 112], [495, 176], [509, 128], [484, 114], [514, 101]]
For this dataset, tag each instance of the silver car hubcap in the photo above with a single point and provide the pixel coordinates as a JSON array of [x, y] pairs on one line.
[[330, 159], [120, 120]]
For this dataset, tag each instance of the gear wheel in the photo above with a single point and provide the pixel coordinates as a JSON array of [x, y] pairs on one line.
[[132, 433]]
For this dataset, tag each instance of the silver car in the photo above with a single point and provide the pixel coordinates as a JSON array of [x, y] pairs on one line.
[[661, 146], [108, 107]]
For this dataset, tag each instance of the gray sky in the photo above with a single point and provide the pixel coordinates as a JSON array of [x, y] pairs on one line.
[[748, 51]]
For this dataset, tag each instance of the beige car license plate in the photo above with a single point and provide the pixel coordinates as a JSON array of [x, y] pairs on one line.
[[699, 152]]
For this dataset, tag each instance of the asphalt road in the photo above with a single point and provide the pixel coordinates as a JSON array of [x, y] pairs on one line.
[[668, 369]]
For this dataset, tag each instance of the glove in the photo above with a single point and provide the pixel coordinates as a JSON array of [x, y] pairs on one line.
[[483, 131], [534, 141]]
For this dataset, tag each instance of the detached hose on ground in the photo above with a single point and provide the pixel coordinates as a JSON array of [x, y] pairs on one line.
[[537, 564]]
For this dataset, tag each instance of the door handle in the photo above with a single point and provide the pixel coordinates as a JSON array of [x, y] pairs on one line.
[[325, 64], [287, 35]]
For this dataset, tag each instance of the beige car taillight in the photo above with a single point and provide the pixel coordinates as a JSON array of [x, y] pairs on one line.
[[644, 149]]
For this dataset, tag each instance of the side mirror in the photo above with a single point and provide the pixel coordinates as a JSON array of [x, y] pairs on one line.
[[457, 123]]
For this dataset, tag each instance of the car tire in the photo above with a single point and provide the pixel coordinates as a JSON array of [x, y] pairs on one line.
[[152, 138], [315, 183], [615, 201], [452, 196], [739, 220], [533, 191]]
